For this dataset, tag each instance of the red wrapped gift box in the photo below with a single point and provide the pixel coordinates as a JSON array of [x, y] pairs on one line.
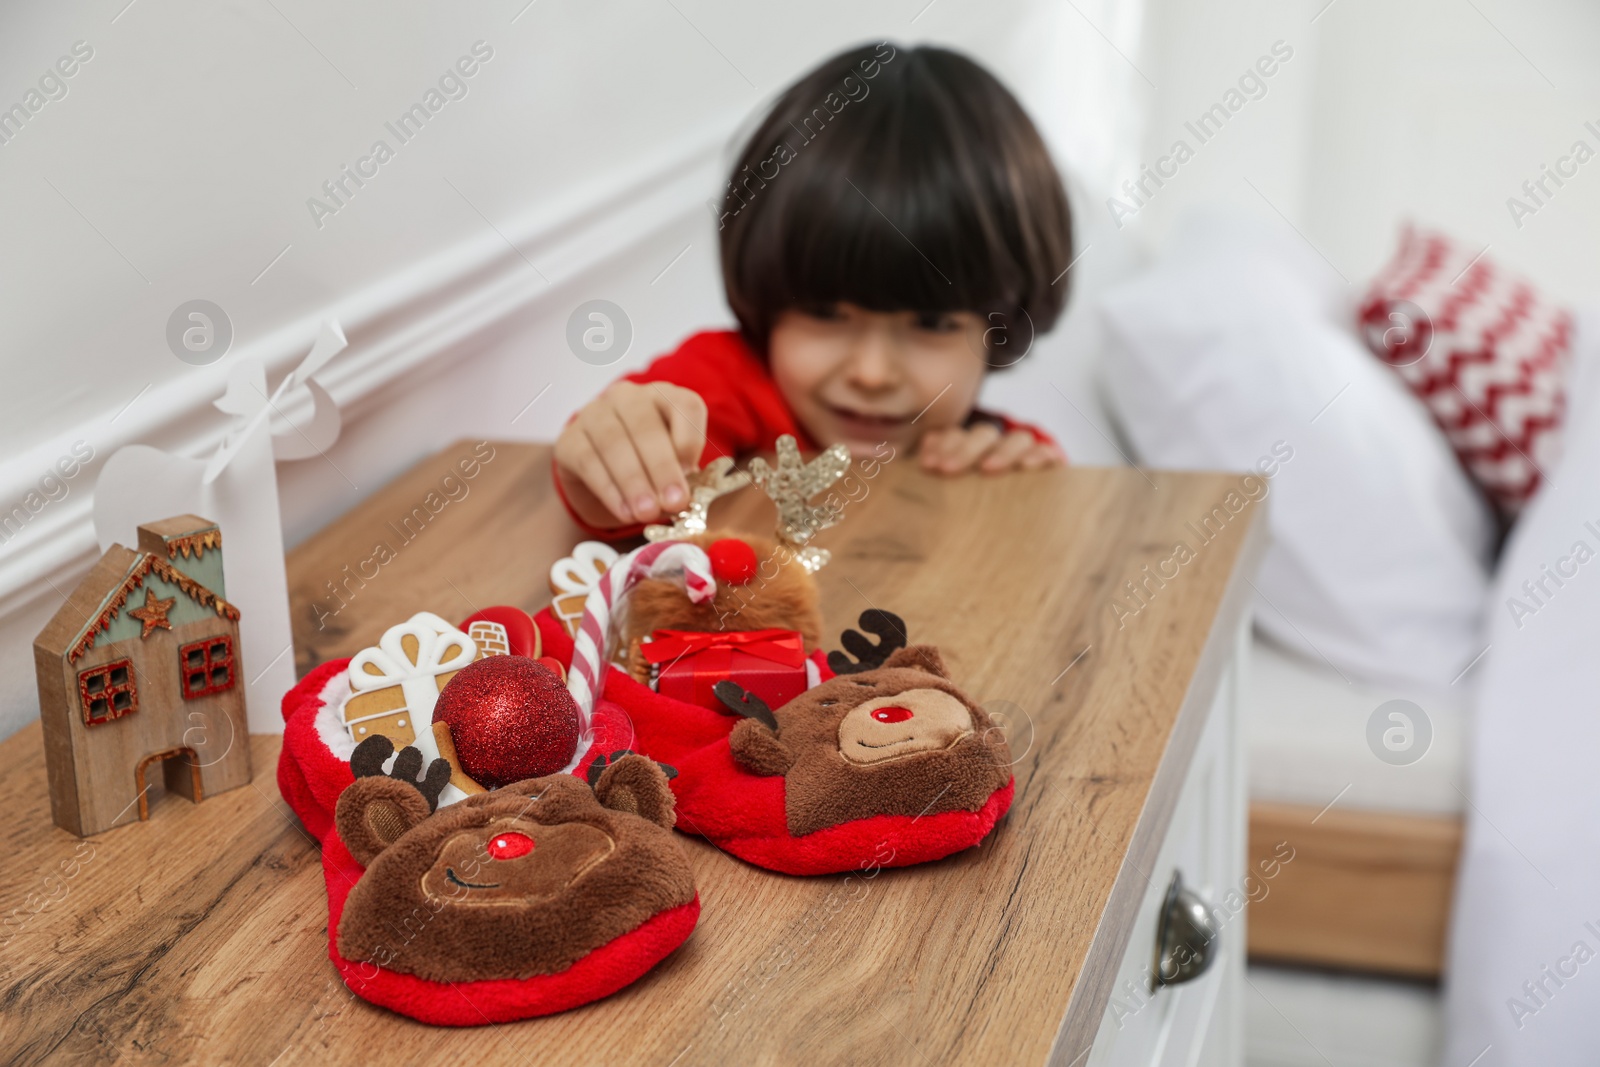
[[769, 663]]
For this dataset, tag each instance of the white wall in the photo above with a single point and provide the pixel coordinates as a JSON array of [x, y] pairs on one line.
[[178, 165], [1198, 53], [1438, 111], [1432, 110]]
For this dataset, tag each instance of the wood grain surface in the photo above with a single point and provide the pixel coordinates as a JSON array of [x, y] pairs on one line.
[[1367, 890], [200, 935]]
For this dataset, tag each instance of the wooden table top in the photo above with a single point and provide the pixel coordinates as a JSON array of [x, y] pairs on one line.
[[201, 934]]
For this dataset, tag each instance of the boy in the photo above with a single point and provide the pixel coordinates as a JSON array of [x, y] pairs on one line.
[[890, 226]]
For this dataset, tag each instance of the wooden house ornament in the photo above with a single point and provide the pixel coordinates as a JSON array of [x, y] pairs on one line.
[[141, 667]]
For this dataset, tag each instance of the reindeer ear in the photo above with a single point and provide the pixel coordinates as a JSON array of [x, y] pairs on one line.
[[759, 750], [637, 785], [374, 811], [924, 658]]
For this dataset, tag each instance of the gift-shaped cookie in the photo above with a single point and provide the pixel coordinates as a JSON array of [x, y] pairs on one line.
[[396, 683], [527, 900], [574, 577]]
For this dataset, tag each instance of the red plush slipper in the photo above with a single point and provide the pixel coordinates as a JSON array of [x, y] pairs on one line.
[[884, 767], [527, 900], [786, 762], [459, 903]]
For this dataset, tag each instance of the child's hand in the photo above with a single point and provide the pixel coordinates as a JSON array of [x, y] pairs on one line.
[[621, 459], [985, 447]]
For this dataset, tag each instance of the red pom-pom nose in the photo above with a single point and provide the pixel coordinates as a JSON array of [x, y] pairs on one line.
[[732, 561], [892, 714], [509, 845]]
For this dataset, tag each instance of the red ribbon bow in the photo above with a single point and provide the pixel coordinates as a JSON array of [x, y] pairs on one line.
[[784, 647]]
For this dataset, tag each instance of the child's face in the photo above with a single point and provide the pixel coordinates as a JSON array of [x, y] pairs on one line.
[[866, 377]]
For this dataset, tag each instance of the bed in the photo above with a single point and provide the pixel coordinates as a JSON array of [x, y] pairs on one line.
[[1375, 844]]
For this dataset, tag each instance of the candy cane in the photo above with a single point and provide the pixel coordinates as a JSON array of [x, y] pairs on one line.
[[591, 647]]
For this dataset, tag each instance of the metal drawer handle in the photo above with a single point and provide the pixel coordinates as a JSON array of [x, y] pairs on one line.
[[1186, 941]]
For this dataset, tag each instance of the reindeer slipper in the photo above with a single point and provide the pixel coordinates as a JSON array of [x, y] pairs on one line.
[[885, 764], [521, 901], [472, 878]]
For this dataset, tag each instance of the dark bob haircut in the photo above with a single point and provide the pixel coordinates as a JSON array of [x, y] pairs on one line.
[[896, 179]]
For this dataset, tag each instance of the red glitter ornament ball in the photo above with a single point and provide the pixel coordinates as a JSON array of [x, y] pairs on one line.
[[510, 718], [732, 561]]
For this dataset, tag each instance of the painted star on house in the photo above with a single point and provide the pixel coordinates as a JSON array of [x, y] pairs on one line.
[[153, 615]]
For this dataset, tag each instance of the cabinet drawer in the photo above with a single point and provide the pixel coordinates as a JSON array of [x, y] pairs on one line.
[[1197, 1022]]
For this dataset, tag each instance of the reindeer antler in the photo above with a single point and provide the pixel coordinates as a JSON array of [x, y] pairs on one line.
[[791, 485], [739, 700], [367, 762], [714, 480], [891, 631]]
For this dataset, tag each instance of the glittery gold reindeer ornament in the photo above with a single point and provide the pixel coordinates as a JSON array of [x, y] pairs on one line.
[[792, 485], [715, 479]]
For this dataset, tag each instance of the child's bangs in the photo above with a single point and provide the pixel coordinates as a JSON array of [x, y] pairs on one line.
[[886, 232]]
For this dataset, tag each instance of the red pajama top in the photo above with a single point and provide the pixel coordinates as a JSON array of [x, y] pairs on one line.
[[745, 412]]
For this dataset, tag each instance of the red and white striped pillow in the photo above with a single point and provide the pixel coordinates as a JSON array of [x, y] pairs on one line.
[[1483, 350]]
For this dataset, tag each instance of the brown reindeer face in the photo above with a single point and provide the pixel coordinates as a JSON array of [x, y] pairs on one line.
[[901, 725], [520, 881], [899, 739], [514, 860]]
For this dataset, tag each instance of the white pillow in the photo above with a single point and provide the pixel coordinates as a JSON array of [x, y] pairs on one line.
[[1235, 352]]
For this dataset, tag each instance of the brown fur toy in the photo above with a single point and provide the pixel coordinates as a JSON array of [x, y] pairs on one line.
[[522, 881], [896, 739], [778, 593]]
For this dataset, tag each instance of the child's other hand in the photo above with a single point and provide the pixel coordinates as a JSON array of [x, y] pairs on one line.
[[985, 447], [621, 459]]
